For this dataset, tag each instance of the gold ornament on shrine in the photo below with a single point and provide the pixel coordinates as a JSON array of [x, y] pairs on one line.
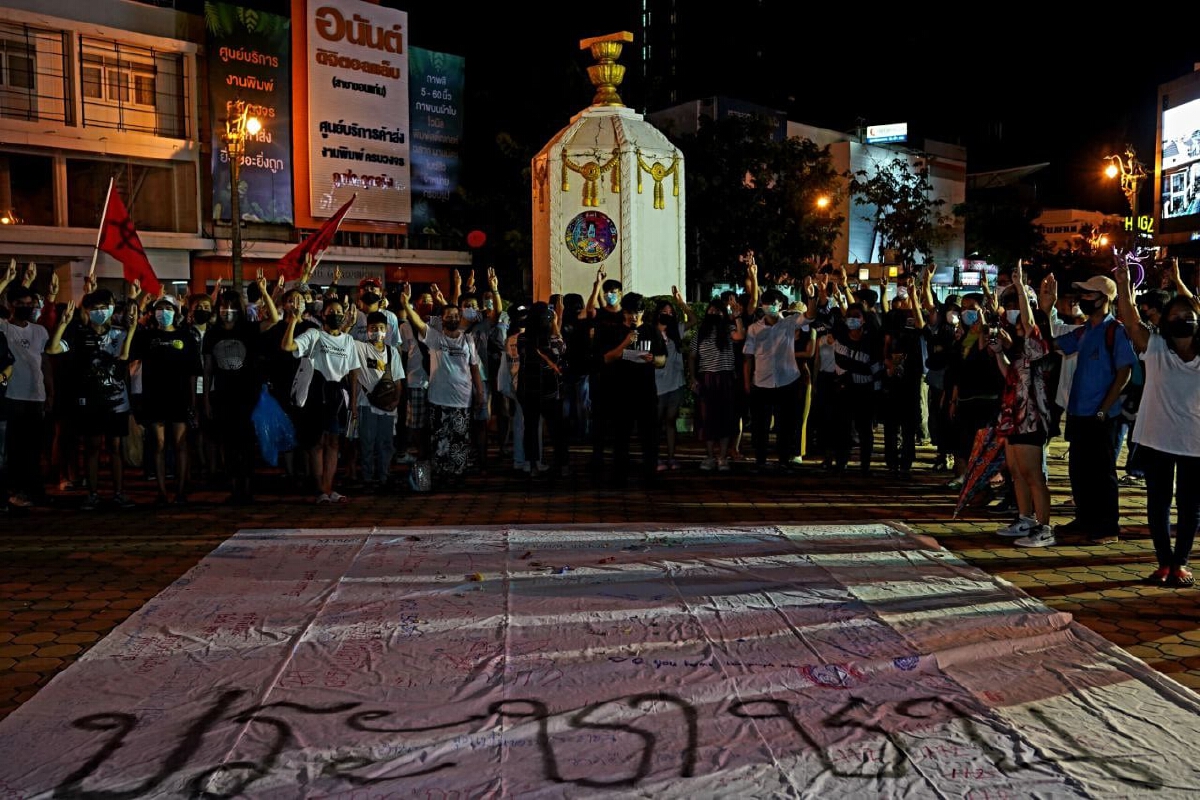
[[606, 74], [592, 172], [659, 172]]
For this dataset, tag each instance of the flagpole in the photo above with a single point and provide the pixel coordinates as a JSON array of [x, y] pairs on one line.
[[100, 232]]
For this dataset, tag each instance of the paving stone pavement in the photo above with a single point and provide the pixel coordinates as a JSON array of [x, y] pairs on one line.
[[68, 577]]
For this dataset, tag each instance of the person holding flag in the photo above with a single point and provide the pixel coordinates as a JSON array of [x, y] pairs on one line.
[[119, 239]]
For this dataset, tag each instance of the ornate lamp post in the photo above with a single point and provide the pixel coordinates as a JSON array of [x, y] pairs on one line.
[[239, 126], [1131, 172]]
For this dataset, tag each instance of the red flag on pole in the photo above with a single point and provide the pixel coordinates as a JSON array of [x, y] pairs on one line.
[[292, 264], [119, 239]]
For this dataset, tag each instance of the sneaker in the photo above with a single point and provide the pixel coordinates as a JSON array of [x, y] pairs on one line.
[[708, 464], [122, 501], [954, 483], [1041, 536], [723, 465], [322, 498], [20, 501], [1132, 480], [91, 503], [794, 462], [1023, 526], [334, 497]]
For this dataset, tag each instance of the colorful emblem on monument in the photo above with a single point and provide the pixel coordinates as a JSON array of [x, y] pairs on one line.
[[591, 237]]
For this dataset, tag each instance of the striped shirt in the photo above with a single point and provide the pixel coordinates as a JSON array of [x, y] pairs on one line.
[[711, 358]]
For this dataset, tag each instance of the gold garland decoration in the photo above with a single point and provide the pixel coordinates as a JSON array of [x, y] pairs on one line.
[[540, 175], [592, 172], [659, 172]]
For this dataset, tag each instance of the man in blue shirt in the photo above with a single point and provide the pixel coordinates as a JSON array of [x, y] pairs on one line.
[[1104, 365]]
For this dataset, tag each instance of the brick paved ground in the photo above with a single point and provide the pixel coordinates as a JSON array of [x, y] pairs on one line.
[[68, 577]]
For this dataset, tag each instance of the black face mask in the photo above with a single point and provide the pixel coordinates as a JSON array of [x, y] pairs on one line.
[[23, 313], [666, 319], [334, 321], [201, 316], [370, 299], [1180, 328], [1088, 307], [450, 324]]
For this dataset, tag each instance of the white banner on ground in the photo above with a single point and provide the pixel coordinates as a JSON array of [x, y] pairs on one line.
[[825, 661]]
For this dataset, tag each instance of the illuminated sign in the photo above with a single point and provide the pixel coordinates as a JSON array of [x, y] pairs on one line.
[[1145, 223], [882, 134]]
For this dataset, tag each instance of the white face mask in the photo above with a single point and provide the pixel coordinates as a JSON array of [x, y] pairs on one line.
[[1013, 315], [230, 315], [376, 336], [1076, 311], [470, 314], [952, 318]]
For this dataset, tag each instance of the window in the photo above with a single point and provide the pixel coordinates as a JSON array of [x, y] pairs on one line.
[[132, 88], [16, 65], [32, 66], [27, 187]]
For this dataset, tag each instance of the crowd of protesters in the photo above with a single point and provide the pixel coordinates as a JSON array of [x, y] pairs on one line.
[[403, 392]]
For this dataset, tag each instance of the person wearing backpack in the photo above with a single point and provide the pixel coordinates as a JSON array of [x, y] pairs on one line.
[[1105, 362], [380, 387]]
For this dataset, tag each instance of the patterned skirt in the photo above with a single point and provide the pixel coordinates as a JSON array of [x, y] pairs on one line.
[[451, 428]]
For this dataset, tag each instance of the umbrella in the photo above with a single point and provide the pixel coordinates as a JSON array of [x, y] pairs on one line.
[[987, 458]]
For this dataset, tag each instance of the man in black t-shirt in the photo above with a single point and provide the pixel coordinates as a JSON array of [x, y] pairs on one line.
[[631, 352]]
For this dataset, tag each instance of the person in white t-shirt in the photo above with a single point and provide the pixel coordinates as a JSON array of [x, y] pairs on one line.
[[455, 385], [335, 360], [1168, 425], [25, 400], [772, 378], [377, 426]]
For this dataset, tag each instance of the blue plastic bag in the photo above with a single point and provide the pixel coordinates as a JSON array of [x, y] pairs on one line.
[[274, 428]]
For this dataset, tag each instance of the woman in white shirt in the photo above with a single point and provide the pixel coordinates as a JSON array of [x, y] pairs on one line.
[[335, 360], [1168, 426], [454, 382]]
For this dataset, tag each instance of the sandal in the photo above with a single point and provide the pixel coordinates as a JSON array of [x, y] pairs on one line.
[[1182, 577], [1158, 577]]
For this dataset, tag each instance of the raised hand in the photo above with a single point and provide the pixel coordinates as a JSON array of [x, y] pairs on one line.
[[258, 275], [261, 282], [306, 274], [30, 274], [217, 287], [1171, 273], [405, 294], [1018, 274], [11, 274], [676, 296], [279, 282], [601, 275], [337, 275], [52, 292], [67, 314], [1121, 276], [492, 280], [810, 288], [89, 283], [457, 280], [135, 289], [471, 282]]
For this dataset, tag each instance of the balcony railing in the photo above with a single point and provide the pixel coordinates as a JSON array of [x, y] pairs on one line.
[[130, 88], [33, 74]]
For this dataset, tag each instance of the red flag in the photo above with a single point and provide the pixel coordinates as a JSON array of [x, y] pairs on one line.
[[292, 264], [119, 239]]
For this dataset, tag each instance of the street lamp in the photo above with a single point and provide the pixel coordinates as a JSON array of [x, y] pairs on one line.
[[239, 125], [1132, 172]]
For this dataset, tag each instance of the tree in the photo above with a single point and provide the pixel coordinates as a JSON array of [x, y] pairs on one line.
[[900, 209], [746, 190]]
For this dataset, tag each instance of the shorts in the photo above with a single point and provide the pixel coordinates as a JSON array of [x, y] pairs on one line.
[[1036, 438], [109, 424], [418, 408], [669, 402]]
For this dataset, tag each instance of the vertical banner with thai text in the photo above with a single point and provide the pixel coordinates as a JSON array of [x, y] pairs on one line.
[[358, 110], [249, 59], [436, 126]]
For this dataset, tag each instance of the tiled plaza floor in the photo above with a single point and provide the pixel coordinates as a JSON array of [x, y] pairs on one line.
[[68, 577]]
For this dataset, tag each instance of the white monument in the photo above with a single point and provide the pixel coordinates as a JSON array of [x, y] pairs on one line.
[[608, 192]]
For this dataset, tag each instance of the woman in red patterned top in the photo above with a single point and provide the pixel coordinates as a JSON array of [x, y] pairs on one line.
[[1024, 413]]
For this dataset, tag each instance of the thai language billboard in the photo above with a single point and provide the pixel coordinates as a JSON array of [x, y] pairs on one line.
[[358, 110], [249, 59], [436, 86]]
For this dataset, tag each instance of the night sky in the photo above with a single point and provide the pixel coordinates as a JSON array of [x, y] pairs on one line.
[[1015, 86]]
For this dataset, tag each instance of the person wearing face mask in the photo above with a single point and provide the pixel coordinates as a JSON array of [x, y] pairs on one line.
[[377, 426], [416, 367], [1024, 421], [370, 299], [233, 378], [671, 379], [1104, 366], [289, 380], [98, 354], [26, 397], [608, 329], [334, 390], [170, 359], [715, 383], [455, 385], [939, 338], [772, 379], [1167, 430], [478, 327], [632, 360], [902, 358], [974, 383], [858, 370], [201, 444]]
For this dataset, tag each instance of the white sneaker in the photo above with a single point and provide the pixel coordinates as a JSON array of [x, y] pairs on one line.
[[1022, 527], [708, 464], [1041, 536]]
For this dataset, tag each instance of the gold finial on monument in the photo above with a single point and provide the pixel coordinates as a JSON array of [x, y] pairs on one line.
[[606, 73]]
